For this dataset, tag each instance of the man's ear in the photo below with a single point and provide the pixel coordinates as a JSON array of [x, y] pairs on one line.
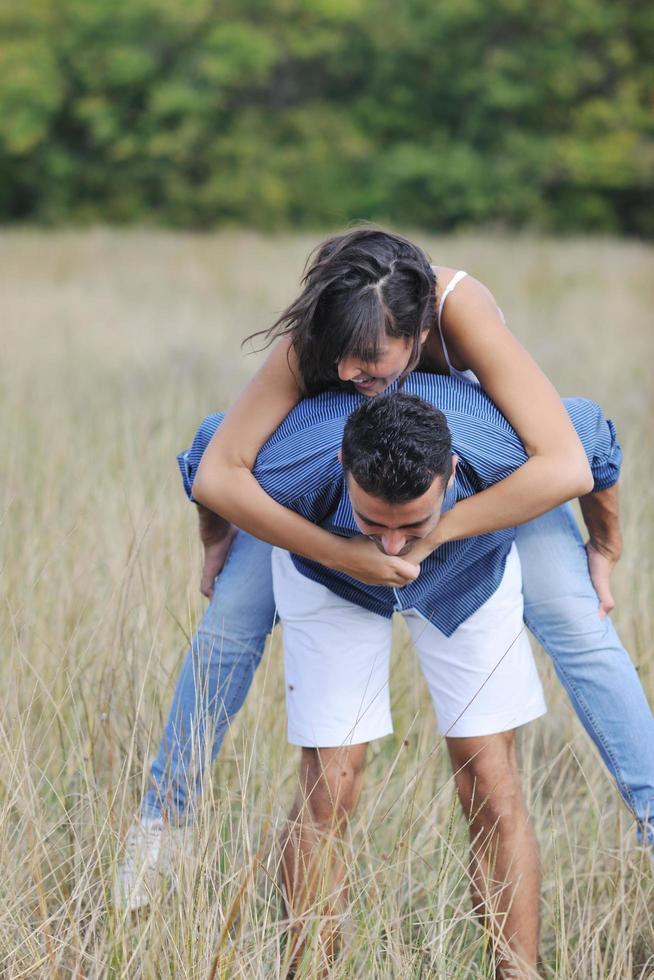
[[340, 457], [455, 460]]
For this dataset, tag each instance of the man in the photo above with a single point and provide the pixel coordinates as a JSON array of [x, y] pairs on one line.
[[299, 466], [399, 472]]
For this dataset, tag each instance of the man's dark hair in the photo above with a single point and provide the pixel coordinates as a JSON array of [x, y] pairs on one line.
[[396, 445]]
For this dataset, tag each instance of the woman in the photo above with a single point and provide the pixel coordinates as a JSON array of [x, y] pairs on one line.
[[371, 310]]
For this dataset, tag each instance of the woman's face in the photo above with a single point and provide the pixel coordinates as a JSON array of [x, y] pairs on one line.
[[373, 377]]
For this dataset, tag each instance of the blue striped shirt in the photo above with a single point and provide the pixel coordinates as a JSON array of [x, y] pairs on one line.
[[299, 468]]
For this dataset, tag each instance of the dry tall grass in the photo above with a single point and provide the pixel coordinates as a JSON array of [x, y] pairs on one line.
[[113, 346]]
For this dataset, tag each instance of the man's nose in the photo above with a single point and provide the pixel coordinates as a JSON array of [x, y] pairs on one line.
[[393, 542], [348, 368]]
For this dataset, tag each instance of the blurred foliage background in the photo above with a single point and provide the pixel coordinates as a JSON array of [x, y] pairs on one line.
[[308, 113]]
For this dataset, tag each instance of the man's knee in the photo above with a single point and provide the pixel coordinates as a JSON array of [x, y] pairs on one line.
[[487, 779], [330, 781]]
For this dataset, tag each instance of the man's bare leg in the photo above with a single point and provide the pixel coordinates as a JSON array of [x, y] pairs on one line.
[[313, 871], [505, 867]]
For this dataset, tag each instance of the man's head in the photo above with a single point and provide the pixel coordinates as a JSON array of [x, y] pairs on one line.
[[397, 458]]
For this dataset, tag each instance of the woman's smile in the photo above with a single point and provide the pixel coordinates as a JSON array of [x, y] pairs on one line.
[[365, 382], [384, 370]]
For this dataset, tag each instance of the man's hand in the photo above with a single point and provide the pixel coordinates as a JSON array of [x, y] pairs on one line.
[[601, 514], [600, 566], [216, 535], [361, 559], [215, 555]]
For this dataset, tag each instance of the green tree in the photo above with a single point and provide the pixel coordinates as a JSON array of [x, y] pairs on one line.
[[315, 112]]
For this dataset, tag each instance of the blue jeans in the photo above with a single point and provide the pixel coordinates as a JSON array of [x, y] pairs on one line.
[[560, 610]]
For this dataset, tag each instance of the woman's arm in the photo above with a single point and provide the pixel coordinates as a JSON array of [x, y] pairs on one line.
[[557, 469], [225, 485]]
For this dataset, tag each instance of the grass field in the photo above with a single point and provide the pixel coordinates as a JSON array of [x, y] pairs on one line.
[[114, 345]]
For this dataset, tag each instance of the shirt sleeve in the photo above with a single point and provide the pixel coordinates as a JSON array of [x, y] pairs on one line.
[[492, 450], [189, 460], [299, 469], [599, 439]]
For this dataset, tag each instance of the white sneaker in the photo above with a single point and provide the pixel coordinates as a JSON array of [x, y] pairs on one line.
[[151, 849]]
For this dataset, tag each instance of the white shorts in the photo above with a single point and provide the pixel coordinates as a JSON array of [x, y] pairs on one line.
[[482, 679]]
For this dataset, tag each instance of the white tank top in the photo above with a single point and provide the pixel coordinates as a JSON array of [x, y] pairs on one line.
[[468, 376]]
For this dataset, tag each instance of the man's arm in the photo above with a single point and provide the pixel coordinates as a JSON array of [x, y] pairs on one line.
[[213, 528], [300, 471], [297, 470], [216, 535], [189, 460], [602, 519], [600, 507]]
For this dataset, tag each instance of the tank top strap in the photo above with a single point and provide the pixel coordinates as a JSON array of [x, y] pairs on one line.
[[452, 284]]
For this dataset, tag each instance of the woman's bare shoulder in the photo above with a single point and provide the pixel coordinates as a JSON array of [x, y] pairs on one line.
[[445, 274]]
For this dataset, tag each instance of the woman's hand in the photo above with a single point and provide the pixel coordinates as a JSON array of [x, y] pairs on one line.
[[360, 558], [215, 556], [600, 565], [424, 547]]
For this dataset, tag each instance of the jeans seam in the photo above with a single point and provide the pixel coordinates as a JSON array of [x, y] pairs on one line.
[[626, 793]]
